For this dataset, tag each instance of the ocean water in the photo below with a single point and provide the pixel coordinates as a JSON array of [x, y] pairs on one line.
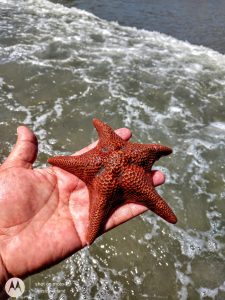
[[60, 67], [199, 22]]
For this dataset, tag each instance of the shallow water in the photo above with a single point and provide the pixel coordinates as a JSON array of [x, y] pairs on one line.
[[60, 67]]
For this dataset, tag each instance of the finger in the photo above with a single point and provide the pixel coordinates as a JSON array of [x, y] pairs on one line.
[[124, 213], [158, 178], [24, 152], [124, 133]]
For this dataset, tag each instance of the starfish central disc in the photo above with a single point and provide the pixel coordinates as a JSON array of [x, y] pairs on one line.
[[115, 162], [115, 172]]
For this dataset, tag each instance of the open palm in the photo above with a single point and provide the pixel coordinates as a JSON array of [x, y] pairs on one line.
[[44, 212]]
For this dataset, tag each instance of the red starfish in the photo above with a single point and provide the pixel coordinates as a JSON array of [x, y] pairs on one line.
[[116, 171]]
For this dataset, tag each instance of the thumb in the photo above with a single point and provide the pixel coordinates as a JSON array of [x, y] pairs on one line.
[[24, 152]]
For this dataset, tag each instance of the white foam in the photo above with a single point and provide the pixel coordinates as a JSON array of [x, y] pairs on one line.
[[1, 81], [207, 292], [218, 125]]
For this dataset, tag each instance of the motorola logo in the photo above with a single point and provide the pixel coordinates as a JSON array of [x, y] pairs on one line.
[[15, 287]]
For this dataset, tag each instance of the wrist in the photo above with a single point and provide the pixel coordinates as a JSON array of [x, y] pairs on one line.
[[3, 276]]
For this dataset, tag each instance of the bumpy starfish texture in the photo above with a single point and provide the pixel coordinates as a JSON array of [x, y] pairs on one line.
[[116, 171]]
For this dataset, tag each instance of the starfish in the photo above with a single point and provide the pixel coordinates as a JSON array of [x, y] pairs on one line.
[[115, 172]]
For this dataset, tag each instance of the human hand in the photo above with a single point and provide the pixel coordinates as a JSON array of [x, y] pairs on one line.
[[44, 212]]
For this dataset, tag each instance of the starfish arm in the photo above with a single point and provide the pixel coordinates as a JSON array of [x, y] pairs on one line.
[[157, 204], [108, 139], [84, 166], [97, 216], [139, 189], [145, 155], [103, 196]]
